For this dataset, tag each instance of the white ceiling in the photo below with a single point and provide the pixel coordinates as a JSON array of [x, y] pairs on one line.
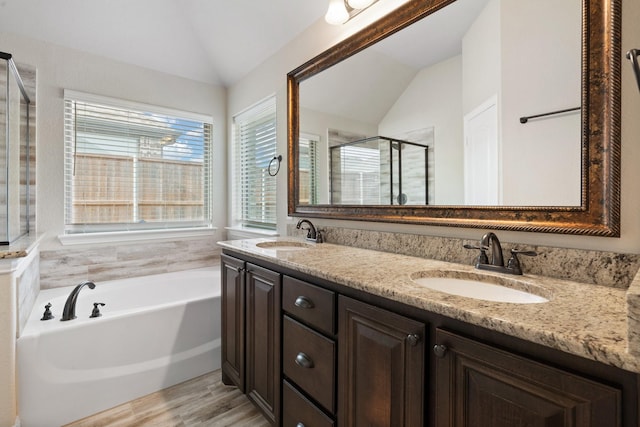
[[214, 41]]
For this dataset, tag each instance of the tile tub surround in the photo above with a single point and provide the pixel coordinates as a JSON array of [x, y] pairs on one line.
[[581, 319], [70, 266], [594, 267]]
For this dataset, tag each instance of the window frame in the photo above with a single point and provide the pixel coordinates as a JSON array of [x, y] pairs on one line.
[[263, 111], [141, 228]]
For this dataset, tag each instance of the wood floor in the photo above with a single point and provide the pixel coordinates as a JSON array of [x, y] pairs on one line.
[[201, 402]]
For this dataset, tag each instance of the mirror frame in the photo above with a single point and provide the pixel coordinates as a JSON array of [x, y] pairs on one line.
[[599, 212]]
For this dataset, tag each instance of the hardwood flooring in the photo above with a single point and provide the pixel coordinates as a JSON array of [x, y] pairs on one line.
[[200, 402]]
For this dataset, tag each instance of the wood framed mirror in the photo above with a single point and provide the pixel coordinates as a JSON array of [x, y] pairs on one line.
[[594, 206]]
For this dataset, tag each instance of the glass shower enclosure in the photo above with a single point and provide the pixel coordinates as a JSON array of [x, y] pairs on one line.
[[14, 153], [379, 171]]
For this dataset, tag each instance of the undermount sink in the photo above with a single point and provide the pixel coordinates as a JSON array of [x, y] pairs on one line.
[[283, 245], [478, 288]]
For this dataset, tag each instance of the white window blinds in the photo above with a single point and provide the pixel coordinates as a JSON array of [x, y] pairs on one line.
[[130, 166], [255, 146]]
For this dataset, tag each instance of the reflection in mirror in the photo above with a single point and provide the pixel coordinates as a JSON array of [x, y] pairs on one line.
[[527, 139], [465, 74], [377, 171]]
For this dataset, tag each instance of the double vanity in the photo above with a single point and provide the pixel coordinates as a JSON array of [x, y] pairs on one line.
[[331, 335]]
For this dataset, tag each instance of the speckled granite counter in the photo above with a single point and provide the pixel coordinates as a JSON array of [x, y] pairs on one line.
[[20, 248], [585, 320]]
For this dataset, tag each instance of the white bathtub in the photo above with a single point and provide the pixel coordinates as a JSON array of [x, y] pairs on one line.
[[155, 331]]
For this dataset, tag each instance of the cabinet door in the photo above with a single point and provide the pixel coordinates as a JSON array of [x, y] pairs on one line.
[[232, 278], [481, 386], [380, 367], [263, 340]]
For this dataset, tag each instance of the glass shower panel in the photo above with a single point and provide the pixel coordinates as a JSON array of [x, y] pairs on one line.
[[14, 153], [413, 175]]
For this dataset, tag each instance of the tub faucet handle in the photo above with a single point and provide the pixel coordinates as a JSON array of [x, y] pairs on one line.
[[47, 315], [96, 309]]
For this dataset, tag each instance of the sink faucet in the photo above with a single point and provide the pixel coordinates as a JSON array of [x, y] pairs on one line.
[[491, 241], [312, 234], [496, 263], [69, 311]]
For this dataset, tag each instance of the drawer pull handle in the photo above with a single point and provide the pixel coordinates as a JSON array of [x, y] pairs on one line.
[[439, 350], [413, 339], [304, 302], [304, 361], [299, 425]]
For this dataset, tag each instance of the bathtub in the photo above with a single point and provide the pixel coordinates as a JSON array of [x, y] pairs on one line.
[[154, 332]]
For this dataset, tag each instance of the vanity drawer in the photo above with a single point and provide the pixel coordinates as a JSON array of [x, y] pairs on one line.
[[309, 303], [308, 359], [297, 410]]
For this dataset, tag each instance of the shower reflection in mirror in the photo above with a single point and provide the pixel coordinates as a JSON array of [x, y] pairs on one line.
[[375, 170]]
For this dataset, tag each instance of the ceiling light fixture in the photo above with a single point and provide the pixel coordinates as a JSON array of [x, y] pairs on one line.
[[341, 11]]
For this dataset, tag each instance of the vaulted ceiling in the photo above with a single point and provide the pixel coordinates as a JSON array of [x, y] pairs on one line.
[[214, 41]]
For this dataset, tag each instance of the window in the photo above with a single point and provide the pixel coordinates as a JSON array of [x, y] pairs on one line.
[[255, 147], [308, 169], [131, 166]]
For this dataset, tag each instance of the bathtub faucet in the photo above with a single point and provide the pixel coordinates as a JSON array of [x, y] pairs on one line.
[[69, 311]]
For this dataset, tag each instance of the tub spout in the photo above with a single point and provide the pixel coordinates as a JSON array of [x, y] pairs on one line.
[[69, 311]]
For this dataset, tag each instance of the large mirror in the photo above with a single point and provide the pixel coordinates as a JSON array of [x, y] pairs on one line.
[[499, 114]]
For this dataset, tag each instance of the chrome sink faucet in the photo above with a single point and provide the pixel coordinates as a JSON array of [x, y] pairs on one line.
[[313, 234], [490, 242], [69, 311]]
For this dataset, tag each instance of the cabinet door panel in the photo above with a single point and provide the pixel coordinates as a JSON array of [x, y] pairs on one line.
[[263, 339], [481, 386], [232, 282], [381, 367]]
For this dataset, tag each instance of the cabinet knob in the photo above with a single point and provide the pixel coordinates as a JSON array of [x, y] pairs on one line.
[[439, 350], [413, 339], [304, 302], [299, 425], [304, 361]]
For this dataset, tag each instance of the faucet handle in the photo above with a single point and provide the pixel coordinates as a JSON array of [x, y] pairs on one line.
[[482, 258], [47, 315], [96, 310], [514, 262]]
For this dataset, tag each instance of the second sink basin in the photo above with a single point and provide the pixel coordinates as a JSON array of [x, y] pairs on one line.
[[474, 287]]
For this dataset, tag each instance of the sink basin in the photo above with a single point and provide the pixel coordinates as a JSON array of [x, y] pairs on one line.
[[283, 245], [474, 287]]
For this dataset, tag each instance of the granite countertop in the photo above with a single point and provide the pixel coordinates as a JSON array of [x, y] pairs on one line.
[[581, 319], [20, 248]]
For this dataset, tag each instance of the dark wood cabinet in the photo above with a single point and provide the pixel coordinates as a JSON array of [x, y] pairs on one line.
[[481, 386], [380, 367], [312, 353], [251, 313], [263, 293], [233, 318]]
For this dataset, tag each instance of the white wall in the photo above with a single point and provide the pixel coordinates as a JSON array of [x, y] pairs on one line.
[[60, 68], [270, 78], [434, 99], [538, 76], [481, 58]]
